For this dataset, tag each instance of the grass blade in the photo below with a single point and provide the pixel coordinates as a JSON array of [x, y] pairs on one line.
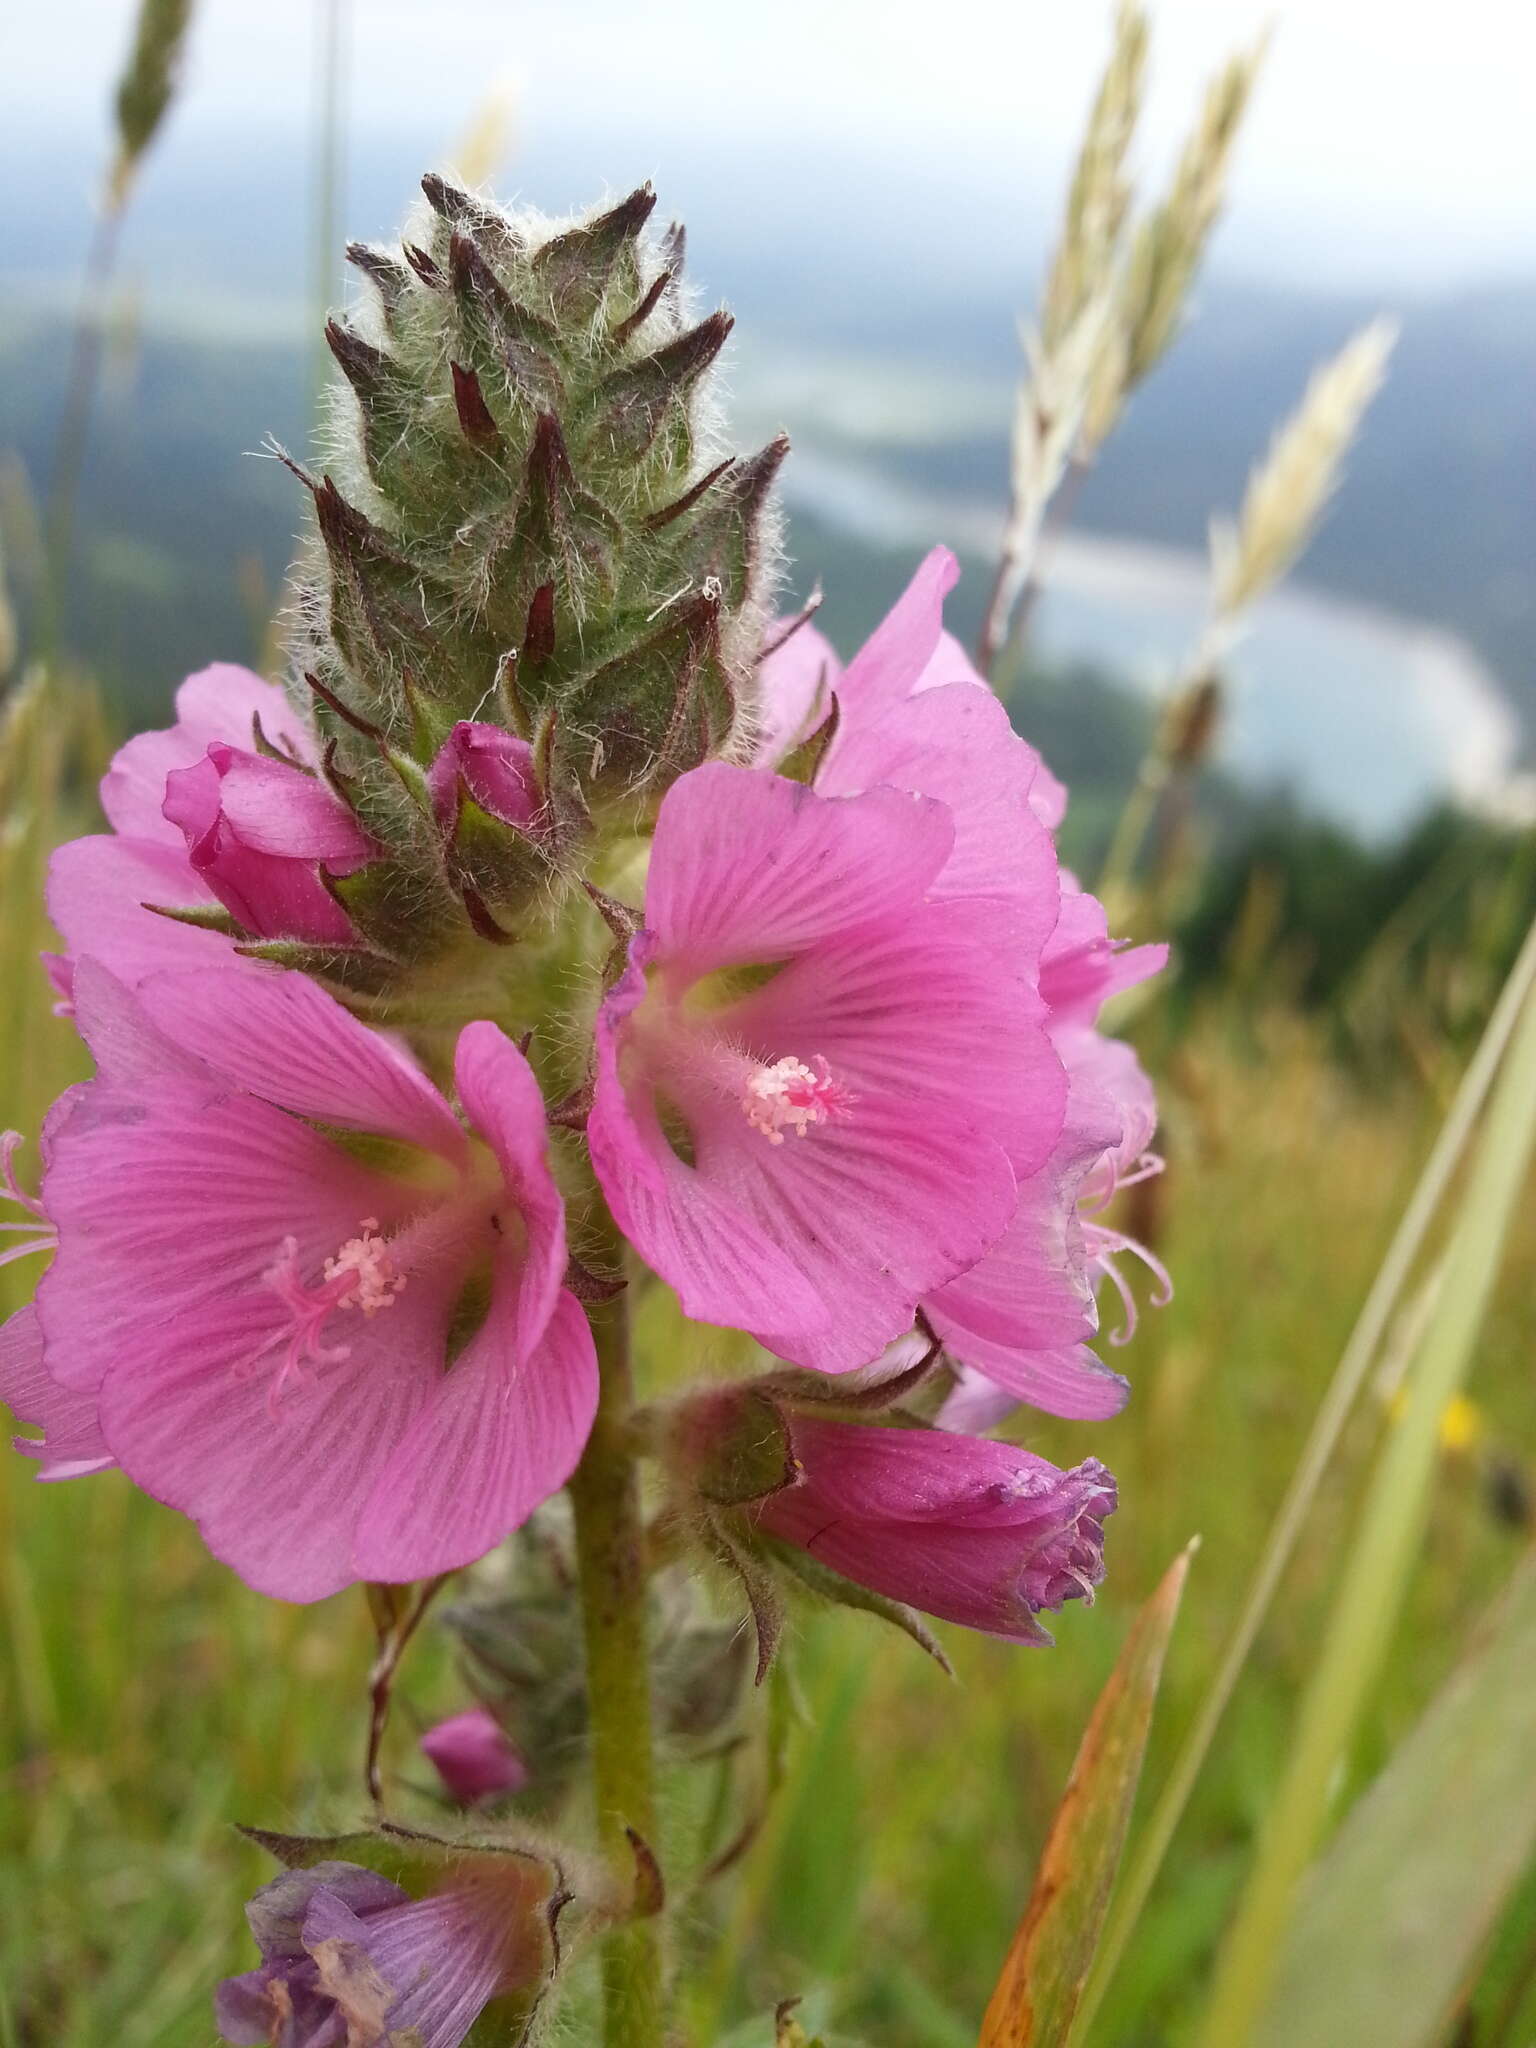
[[1376, 1572], [1438, 1843], [1047, 1965], [1354, 1365]]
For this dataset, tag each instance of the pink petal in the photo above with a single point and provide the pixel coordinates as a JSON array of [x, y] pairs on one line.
[[272, 895], [276, 1486], [282, 1037], [474, 1758], [71, 1444], [173, 1195], [1082, 967], [937, 1007], [97, 888], [500, 1434], [890, 664], [501, 1098], [995, 1378], [751, 867], [795, 685], [691, 1232], [217, 703], [275, 809], [875, 1212], [496, 768], [949, 663], [956, 744]]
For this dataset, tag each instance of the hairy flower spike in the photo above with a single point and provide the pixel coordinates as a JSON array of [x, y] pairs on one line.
[[526, 470]]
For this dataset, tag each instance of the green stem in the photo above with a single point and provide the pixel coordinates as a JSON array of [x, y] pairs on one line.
[[610, 1553]]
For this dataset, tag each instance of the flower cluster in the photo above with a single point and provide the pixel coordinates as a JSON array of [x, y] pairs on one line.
[[845, 1084], [584, 929]]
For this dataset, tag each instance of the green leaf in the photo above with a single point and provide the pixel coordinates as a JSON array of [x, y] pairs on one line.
[[1047, 1965], [1392, 1920]]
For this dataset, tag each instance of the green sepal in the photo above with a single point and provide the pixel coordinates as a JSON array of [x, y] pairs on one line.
[[658, 709], [360, 972], [579, 267], [725, 536], [642, 410], [831, 1586], [206, 917], [802, 763], [503, 866], [732, 1446], [412, 778]]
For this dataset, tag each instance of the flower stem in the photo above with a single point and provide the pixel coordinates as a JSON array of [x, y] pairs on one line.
[[610, 1552]]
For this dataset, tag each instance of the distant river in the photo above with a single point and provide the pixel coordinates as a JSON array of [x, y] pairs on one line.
[[1367, 715]]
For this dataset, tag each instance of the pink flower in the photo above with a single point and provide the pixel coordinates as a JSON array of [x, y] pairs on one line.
[[814, 1081], [967, 1530], [494, 768], [216, 844], [1019, 1322], [474, 1758], [72, 1444], [912, 712], [348, 1957], [263, 836], [314, 1312]]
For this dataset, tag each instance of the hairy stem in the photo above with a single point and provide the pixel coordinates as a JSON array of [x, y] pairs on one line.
[[610, 1552]]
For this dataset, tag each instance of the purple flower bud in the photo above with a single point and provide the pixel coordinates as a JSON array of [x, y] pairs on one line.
[[474, 1758], [494, 768], [259, 833], [347, 1957], [971, 1531]]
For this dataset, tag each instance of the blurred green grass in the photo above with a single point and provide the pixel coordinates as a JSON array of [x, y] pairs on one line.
[[148, 1699]]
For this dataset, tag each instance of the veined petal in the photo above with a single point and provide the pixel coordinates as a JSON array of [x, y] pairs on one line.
[[72, 1444], [275, 809], [280, 1036], [795, 685], [995, 1378], [932, 1008], [1082, 967], [276, 1483], [691, 1232], [872, 1211], [502, 1431], [217, 703], [97, 890], [956, 743], [172, 1194], [501, 1098], [446, 1957], [751, 867], [887, 668]]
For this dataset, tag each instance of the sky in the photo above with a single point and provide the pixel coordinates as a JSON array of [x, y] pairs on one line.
[[1393, 144]]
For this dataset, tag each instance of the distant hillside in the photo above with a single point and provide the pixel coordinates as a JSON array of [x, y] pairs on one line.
[[1437, 517]]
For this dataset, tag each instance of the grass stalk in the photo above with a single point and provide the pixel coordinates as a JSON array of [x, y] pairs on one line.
[[1376, 1573], [1349, 1377]]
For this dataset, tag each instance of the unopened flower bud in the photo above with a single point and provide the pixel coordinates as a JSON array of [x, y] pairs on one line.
[[494, 769], [474, 1758], [962, 1528], [262, 835]]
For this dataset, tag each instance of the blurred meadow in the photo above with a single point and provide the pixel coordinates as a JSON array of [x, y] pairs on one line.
[[1333, 975]]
